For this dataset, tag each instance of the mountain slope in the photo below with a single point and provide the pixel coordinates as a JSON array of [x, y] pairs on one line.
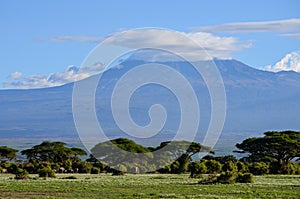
[[257, 101]]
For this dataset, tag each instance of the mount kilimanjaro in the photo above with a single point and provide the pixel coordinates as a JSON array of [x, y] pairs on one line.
[[257, 101]]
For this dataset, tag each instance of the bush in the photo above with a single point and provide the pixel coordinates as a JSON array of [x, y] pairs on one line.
[[166, 169], [227, 178], [293, 168], [13, 168], [95, 170], [213, 166], [229, 166], [21, 174], [30, 168], [197, 168], [83, 167], [241, 167], [275, 168], [117, 173], [46, 172], [244, 178], [209, 179], [259, 168]]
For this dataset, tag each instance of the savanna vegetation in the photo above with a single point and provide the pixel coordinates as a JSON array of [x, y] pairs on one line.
[[172, 162]]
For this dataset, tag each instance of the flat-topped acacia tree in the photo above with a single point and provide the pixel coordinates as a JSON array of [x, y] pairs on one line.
[[7, 153], [52, 152], [281, 146]]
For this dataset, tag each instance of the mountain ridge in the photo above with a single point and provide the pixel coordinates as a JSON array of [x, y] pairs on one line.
[[257, 101]]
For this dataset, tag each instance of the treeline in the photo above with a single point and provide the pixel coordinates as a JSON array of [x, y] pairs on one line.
[[275, 153]]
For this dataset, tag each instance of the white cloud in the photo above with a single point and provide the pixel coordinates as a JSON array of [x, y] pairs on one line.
[[286, 25], [290, 61], [212, 46], [15, 75], [75, 38], [292, 35], [215, 46], [70, 74]]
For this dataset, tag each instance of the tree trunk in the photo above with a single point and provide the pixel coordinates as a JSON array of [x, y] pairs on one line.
[[284, 166]]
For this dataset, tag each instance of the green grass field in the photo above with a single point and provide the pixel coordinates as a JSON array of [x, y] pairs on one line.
[[145, 186]]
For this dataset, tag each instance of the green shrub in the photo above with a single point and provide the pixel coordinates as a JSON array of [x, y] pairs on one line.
[[227, 178], [209, 179], [275, 168], [165, 169], [213, 166], [197, 168], [241, 167], [46, 172], [229, 166], [95, 170], [83, 167], [259, 168], [30, 168], [13, 168], [293, 168], [5, 165], [245, 178], [21, 174]]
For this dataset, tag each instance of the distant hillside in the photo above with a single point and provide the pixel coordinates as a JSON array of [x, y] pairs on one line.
[[257, 101]]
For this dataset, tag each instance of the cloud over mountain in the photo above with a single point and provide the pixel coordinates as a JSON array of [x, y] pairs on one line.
[[214, 46], [70, 74]]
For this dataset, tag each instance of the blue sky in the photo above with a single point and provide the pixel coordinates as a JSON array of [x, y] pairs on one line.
[[42, 38]]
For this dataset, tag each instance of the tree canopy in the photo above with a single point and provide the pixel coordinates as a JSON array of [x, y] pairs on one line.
[[7, 153], [124, 152], [281, 147], [52, 152]]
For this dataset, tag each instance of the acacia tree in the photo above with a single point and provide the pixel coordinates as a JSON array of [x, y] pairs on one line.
[[54, 152], [114, 153], [7, 153], [180, 153], [122, 152], [282, 147]]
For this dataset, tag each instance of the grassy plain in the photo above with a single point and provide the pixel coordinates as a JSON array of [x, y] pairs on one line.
[[145, 186]]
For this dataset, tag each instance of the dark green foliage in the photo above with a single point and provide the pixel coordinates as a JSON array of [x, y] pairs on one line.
[[241, 167], [293, 168], [21, 174], [275, 168], [31, 168], [7, 153], [209, 179], [177, 154], [46, 172], [82, 166], [213, 166], [95, 170], [229, 166], [122, 151], [227, 177], [96, 163], [197, 168], [182, 164], [259, 168], [52, 152], [13, 168], [281, 147], [245, 178]]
